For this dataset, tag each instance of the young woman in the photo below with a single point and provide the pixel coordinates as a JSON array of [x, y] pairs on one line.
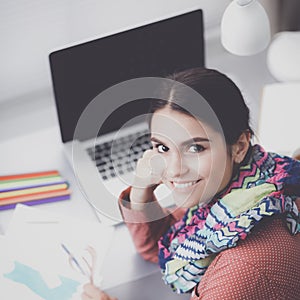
[[234, 234]]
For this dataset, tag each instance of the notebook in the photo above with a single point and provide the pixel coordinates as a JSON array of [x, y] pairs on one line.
[[99, 87]]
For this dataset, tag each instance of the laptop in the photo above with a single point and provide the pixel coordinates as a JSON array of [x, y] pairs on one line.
[[103, 125]]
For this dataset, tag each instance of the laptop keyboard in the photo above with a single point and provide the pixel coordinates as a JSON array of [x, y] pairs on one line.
[[119, 156]]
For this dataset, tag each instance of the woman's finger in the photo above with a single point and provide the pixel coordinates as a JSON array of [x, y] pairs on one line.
[[90, 292], [104, 296], [84, 296]]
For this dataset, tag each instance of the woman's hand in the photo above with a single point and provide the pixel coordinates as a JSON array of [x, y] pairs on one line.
[[90, 292], [148, 175]]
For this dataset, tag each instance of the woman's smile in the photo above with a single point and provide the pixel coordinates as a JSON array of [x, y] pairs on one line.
[[184, 186]]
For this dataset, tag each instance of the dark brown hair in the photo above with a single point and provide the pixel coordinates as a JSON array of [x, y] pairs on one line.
[[219, 92]]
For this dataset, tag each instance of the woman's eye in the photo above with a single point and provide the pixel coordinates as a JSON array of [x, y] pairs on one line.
[[196, 148], [162, 148]]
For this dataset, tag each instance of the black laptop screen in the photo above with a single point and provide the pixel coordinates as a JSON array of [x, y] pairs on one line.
[[81, 72]]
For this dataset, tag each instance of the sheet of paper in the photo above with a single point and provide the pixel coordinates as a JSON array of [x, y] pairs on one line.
[[33, 246]]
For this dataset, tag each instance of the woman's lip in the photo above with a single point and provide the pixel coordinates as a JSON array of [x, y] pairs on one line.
[[183, 185]]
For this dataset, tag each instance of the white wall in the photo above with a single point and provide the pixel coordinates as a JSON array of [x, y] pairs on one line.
[[31, 29]]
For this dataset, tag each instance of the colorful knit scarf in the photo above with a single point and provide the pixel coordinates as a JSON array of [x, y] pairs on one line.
[[266, 185]]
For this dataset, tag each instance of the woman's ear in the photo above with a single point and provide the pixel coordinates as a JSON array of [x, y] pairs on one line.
[[240, 148]]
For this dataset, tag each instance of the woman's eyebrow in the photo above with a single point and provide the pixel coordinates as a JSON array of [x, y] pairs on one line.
[[192, 140], [195, 140], [155, 140]]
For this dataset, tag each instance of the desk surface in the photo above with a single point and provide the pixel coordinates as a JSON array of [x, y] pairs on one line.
[[41, 150]]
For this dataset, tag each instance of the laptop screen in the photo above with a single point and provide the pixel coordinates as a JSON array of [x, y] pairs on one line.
[[81, 72]]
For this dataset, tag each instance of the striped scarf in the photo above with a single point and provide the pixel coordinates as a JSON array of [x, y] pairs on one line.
[[267, 185]]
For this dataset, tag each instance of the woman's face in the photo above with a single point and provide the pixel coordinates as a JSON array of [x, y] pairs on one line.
[[197, 163]]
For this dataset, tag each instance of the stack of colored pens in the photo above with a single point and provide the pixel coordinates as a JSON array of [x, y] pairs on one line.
[[32, 189]]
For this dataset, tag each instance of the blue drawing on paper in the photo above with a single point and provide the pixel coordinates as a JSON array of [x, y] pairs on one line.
[[33, 280]]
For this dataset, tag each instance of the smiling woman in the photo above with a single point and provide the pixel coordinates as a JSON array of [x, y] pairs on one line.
[[224, 187], [187, 148]]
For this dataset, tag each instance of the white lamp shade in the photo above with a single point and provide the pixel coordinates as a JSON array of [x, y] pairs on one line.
[[278, 126], [283, 57], [245, 29]]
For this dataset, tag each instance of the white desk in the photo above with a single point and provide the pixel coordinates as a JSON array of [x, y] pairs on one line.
[[42, 150]]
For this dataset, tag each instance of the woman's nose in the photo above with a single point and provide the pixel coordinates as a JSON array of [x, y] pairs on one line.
[[175, 166]]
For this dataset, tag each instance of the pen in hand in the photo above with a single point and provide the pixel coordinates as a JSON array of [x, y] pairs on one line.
[[90, 265], [90, 290], [73, 259]]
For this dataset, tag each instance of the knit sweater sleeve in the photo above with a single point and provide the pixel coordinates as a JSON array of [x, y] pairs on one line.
[[146, 227]]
